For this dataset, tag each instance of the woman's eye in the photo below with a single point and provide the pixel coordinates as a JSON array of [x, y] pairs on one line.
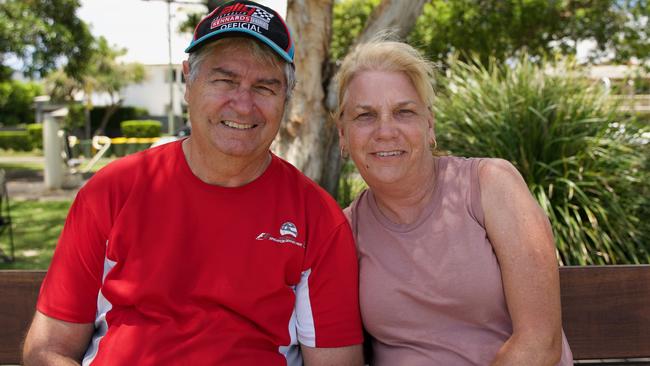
[[405, 112]]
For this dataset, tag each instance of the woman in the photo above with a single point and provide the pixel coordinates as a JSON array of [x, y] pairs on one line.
[[457, 260]]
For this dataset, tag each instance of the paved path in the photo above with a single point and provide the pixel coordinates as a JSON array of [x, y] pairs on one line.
[[29, 184]]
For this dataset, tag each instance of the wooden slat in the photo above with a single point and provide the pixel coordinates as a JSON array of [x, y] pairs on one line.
[[18, 293], [606, 311]]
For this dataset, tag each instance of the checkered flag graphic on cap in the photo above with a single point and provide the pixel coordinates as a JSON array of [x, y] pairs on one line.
[[261, 13]]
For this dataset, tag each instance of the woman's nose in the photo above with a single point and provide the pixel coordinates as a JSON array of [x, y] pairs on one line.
[[386, 126]]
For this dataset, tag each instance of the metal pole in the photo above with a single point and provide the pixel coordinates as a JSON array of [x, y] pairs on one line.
[[172, 73]]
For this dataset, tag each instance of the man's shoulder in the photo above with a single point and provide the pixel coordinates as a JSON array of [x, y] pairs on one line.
[[127, 170], [299, 180], [317, 200]]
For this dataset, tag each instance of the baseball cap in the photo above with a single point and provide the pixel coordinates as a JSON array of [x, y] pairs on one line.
[[245, 18]]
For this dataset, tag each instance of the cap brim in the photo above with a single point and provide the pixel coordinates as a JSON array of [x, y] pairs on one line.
[[213, 36]]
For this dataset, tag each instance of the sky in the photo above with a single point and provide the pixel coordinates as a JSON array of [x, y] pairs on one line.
[[140, 26]]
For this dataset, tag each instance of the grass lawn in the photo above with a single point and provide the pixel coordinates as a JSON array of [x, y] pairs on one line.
[[21, 166], [36, 227], [36, 166]]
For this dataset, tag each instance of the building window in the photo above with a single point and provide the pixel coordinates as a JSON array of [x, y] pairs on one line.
[[170, 75]]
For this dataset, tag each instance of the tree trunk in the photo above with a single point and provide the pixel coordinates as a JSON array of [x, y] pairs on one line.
[[308, 137], [302, 138]]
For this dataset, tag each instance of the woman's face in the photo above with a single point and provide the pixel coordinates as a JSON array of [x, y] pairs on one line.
[[386, 127]]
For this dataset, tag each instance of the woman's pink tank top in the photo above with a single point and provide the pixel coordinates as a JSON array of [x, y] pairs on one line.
[[431, 291]]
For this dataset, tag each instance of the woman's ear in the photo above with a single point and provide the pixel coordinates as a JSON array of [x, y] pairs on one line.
[[342, 140]]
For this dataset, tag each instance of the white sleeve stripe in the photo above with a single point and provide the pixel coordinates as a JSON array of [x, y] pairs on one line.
[[305, 318], [103, 307]]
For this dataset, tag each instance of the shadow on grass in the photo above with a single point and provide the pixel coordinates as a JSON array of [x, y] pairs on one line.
[[30, 171], [36, 228]]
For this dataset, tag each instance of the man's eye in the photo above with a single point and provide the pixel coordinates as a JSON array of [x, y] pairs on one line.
[[224, 81], [265, 90], [364, 116]]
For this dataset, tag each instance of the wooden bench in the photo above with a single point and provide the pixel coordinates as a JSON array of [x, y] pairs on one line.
[[605, 310]]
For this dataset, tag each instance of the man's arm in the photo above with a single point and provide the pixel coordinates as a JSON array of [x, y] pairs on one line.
[[55, 342], [338, 356]]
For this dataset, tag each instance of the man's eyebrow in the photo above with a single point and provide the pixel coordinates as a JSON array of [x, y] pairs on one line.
[[269, 81], [231, 74], [222, 71]]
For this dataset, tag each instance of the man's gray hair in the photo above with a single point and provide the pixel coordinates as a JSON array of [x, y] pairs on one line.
[[196, 58]]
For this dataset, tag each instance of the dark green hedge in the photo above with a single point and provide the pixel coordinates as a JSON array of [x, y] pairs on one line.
[[15, 140], [141, 128], [35, 132]]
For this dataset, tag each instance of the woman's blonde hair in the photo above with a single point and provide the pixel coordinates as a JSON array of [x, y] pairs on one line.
[[386, 55]]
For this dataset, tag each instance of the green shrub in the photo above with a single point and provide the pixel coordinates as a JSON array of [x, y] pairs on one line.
[[75, 120], [350, 184], [35, 132], [582, 161], [15, 140], [141, 128]]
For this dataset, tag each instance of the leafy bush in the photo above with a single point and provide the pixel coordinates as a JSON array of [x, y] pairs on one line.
[[15, 140], [35, 132], [580, 159], [350, 184], [141, 128], [16, 102], [75, 120]]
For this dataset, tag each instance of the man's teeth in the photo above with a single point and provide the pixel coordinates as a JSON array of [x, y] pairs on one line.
[[239, 126], [389, 153]]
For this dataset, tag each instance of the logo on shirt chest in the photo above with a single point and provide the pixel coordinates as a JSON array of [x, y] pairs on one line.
[[288, 235]]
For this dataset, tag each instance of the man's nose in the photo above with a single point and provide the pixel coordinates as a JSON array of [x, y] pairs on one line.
[[242, 100]]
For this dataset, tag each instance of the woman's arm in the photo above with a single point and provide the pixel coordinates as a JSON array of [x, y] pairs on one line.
[[522, 239]]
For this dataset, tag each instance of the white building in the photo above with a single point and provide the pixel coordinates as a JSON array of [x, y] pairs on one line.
[[153, 92]]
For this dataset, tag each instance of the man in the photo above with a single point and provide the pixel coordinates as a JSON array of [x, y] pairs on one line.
[[210, 250]]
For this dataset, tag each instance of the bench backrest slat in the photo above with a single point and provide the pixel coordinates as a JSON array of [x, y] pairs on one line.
[[606, 311], [18, 293]]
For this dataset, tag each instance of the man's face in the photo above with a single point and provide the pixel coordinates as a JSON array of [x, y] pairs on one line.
[[236, 103]]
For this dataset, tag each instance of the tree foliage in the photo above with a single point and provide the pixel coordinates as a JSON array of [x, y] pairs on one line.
[[103, 74], [505, 28], [16, 100], [350, 18], [502, 29], [43, 35]]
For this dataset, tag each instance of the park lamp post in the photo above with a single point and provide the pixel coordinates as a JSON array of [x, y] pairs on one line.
[[170, 111], [171, 72]]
